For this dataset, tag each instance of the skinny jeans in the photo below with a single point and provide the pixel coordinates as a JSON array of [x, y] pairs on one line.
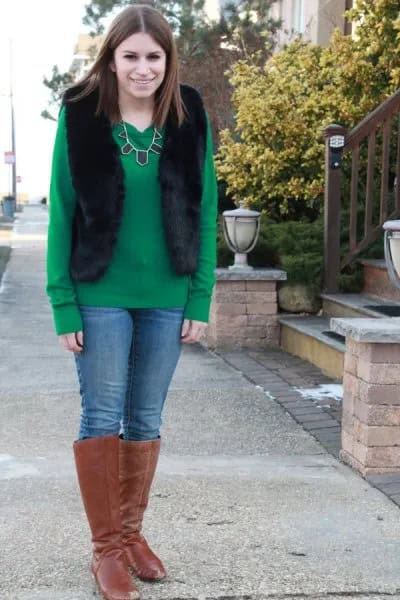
[[125, 368]]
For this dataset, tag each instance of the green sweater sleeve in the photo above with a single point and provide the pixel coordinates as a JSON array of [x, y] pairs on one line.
[[60, 288], [202, 282]]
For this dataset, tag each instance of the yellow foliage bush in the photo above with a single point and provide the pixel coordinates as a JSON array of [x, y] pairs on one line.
[[274, 157]]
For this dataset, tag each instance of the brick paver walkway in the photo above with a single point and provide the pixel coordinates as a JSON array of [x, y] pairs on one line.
[[282, 376]]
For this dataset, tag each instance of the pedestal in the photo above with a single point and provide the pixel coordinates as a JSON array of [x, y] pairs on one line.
[[371, 394], [244, 309]]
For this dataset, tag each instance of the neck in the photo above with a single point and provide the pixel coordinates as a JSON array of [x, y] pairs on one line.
[[129, 105]]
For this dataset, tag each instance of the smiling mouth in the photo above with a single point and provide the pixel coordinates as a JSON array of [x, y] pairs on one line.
[[143, 81]]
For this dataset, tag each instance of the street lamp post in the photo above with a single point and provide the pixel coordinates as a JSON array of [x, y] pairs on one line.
[[9, 202], [13, 145]]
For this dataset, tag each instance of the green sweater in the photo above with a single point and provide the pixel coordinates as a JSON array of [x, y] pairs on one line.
[[140, 274]]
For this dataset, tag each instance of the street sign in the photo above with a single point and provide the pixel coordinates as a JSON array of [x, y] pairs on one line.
[[9, 158]]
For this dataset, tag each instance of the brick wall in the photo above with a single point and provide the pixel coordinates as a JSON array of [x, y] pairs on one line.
[[371, 407]]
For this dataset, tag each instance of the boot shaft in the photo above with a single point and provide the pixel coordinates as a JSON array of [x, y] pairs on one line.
[[138, 463], [97, 466]]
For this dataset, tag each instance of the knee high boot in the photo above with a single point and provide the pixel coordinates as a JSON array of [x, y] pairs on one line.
[[97, 465], [138, 462]]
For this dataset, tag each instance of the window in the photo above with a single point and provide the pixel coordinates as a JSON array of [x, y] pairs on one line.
[[298, 16], [280, 9]]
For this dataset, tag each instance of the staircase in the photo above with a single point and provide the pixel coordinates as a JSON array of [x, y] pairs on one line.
[[374, 141], [309, 337]]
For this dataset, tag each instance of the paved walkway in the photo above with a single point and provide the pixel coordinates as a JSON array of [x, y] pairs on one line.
[[247, 504]]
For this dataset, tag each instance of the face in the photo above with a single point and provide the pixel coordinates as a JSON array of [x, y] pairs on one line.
[[139, 65]]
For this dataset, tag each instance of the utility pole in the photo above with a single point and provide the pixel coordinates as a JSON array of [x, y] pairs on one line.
[[13, 147]]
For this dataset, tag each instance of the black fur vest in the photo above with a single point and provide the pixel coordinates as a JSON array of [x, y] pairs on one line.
[[97, 176]]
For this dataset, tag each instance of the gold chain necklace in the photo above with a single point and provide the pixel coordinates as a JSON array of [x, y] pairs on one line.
[[142, 156]]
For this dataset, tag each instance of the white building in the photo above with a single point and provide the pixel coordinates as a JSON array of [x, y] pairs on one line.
[[314, 19], [212, 9], [84, 52]]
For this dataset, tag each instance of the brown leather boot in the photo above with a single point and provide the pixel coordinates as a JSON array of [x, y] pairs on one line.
[[97, 465], [138, 462]]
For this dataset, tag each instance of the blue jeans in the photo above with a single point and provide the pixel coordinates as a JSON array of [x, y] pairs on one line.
[[128, 360]]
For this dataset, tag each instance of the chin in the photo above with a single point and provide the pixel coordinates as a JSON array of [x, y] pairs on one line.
[[145, 90]]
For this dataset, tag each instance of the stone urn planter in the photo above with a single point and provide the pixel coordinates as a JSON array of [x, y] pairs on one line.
[[299, 298]]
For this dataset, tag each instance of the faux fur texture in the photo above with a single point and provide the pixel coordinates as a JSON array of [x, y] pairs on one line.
[[97, 176]]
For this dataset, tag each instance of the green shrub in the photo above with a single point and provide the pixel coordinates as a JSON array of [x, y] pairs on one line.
[[306, 268], [295, 247]]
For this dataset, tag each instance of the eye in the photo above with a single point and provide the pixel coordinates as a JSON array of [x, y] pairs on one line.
[[151, 56]]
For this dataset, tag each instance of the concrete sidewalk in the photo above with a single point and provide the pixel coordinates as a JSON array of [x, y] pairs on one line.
[[246, 504]]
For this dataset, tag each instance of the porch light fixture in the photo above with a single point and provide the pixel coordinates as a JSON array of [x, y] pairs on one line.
[[336, 145], [241, 229], [392, 250]]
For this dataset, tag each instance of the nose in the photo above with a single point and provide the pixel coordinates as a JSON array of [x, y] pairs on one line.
[[142, 67]]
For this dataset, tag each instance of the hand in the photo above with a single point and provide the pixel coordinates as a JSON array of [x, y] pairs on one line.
[[72, 341], [192, 331]]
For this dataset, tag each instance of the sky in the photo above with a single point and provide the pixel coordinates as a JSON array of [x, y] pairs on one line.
[[43, 33]]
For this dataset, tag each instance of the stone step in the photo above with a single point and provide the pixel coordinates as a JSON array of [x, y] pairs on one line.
[[377, 281], [310, 338], [359, 305]]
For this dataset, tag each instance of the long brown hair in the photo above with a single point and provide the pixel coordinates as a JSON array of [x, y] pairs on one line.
[[138, 18]]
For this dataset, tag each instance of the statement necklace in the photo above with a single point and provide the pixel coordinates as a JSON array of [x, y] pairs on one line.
[[142, 156]]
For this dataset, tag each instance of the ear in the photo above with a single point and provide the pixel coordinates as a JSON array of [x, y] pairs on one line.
[[112, 66]]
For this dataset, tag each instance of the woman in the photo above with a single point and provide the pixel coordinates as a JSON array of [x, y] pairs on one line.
[[130, 261]]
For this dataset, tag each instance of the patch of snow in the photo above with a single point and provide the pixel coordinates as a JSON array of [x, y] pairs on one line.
[[12, 468], [326, 390], [5, 457]]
